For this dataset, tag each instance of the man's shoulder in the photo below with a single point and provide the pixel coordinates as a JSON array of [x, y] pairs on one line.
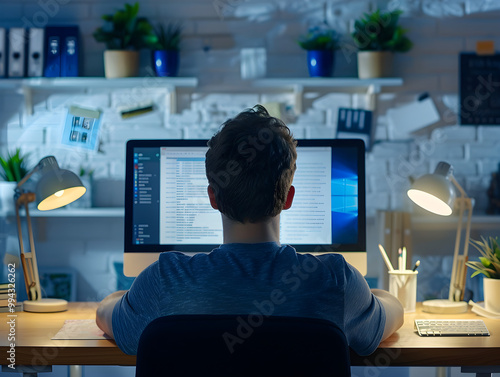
[[326, 258]]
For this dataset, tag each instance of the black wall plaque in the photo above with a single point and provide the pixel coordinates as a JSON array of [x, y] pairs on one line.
[[479, 89]]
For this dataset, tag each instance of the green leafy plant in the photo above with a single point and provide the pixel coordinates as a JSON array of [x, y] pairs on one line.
[[489, 262], [379, 31], [13, 166], [124, 30], [86, 172], [319, 38], [169, 38]]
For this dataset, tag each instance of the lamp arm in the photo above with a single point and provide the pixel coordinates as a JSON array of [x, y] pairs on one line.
[[28, 259], [459, 269], [27, 176], [43, 163], [457, 185]]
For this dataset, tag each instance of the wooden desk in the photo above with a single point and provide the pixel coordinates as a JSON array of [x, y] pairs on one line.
[[404, 348]]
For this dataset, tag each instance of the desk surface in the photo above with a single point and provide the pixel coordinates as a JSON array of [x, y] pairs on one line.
[[404, 348]]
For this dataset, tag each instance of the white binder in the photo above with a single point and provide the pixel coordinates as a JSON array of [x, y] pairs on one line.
[[17, 40], [3, 52], [35, 52]]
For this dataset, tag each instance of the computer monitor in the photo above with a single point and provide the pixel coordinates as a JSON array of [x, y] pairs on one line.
[[167, 206]]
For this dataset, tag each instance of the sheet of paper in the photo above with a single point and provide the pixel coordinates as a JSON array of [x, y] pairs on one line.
[[80, 329]]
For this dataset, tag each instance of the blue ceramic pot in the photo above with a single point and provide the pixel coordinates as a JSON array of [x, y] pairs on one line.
[[320, 63], [166, 63]]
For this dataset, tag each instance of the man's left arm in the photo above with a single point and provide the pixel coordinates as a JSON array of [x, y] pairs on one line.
[[104, 312]]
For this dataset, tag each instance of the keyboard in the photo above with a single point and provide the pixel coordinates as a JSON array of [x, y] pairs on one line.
[[451, 327]]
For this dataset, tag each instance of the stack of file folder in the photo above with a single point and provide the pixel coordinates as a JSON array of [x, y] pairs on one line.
[[39, 52]]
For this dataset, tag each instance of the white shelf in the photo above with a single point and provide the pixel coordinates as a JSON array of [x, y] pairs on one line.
[[345, 84], [10, 83], [429, 222], [329, 82], [97, 82], [28, 85], [77, 212], [102, 82]]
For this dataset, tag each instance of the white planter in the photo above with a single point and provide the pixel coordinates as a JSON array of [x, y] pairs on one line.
[[121, 63], [491, 289], [7, 196], [372, 64]]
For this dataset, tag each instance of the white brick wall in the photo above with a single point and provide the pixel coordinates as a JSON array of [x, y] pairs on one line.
[[211, 53]]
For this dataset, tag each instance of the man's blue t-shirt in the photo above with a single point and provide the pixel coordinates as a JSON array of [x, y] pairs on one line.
[[253, 279]]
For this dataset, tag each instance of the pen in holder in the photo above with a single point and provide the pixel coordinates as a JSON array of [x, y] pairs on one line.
[[403, 285]]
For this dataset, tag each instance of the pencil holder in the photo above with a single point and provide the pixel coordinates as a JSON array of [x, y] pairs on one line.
[[403, 285]]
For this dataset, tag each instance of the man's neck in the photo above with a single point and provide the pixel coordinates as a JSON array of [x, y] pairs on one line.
[[265, 231]]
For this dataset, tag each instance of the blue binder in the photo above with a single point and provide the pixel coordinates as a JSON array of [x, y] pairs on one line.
[[52, 66], [62, 51], [70, 52]]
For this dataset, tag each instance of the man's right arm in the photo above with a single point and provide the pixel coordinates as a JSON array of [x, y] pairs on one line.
[[394, 312], [104, 314]]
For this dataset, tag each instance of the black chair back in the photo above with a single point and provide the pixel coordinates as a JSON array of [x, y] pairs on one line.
[[242, 345]]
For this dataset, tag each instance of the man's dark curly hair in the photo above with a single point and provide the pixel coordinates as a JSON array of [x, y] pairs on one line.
[[250, 164]]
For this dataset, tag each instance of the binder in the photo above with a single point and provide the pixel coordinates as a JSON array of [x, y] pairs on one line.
[[62, 51], [52, 66], [17, 41], [3, 52], [35, 52], [70, 51]]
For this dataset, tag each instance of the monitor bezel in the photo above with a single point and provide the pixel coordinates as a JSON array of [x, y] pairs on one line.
[[130, 247]]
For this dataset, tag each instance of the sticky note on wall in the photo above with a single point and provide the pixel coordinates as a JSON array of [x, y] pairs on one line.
[[404, 120]]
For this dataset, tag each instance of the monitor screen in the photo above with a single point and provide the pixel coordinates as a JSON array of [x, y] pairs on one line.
[[167, 206]]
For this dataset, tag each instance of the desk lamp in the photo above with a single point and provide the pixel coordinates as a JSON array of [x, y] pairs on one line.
[[55, 188], [436, 193]]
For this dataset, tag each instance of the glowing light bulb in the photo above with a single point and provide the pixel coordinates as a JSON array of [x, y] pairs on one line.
[[59, 193]]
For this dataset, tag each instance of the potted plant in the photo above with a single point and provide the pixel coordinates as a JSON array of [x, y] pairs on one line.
[[489, 266], [166, 49], [124, 34], [13, 170], [377, 37], [320, 43]]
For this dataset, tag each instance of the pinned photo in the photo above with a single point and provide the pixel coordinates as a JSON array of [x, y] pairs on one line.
[[81, 128]]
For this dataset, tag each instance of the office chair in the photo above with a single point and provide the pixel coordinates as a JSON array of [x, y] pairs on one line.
[[242, 346]]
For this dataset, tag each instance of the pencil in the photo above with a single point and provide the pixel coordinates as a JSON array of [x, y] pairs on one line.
[[417, 263], [404, 257], [385, 257], [400, 260]]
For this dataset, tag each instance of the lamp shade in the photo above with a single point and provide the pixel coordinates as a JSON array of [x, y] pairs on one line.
[[58, 187], [435, 192]]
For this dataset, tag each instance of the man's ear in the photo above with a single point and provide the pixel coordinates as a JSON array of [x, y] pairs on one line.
[[289, 198], [211, 196]]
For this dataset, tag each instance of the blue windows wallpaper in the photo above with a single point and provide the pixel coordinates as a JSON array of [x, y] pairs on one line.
[[345, 197]]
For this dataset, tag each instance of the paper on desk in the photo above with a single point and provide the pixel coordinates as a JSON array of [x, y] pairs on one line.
[[479, 309], [80, 329]]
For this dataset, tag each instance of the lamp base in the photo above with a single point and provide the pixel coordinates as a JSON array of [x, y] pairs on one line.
[[45, 305], [444, 306]]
